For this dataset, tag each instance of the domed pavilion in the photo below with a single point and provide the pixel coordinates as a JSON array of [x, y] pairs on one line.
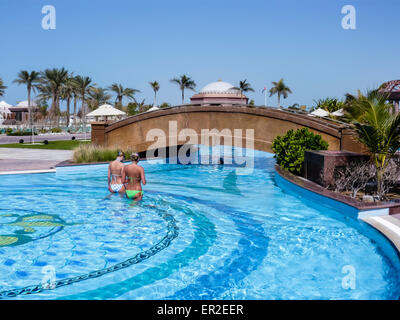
[[219, 93], [392, 90]]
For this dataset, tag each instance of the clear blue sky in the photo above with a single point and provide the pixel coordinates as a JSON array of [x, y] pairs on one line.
[[136, 41]]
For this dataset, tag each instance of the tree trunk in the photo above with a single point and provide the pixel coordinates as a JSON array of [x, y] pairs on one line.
[[279, 100], [30, 115], [84, 114], [74, 110], [379, 181], [380, 162], [53, 106], [58, 111], [183, 96], [396, 107], [155, 98], [68, 103]]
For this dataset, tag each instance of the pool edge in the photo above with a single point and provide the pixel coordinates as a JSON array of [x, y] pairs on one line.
[[385, 224]]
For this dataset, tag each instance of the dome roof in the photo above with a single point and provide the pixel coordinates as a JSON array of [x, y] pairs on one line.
[[219, 87]]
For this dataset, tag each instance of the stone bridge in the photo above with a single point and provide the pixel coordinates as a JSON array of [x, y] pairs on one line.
[[255, 127]]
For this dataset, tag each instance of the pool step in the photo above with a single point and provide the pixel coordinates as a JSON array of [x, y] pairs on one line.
[[388, 225]]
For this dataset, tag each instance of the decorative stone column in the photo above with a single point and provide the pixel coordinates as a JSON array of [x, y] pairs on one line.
[[99, 133], [396, 106]]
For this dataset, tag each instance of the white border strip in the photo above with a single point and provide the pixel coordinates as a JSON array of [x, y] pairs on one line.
[[373, 213], [27, 171], [387, 224]]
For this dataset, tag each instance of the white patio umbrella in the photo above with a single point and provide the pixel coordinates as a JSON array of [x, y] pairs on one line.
[[154, 108], [320, 113], [106, 110], [338, 113]]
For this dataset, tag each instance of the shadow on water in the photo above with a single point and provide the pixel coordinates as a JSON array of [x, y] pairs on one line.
[[230, 184]]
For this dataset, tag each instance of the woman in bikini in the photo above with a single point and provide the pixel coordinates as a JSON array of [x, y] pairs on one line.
[[134, 177], [115, 177]]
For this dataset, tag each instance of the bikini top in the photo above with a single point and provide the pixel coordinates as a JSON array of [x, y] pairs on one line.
[[131, 179], [115, 175]]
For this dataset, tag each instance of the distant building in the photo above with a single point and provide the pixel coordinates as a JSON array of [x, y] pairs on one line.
[[392, 90], [21, 112], [219, 92], [5, 112]]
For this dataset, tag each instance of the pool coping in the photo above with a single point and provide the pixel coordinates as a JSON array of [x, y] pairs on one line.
[[61, 164], [69, 163], [387, 224], [27, 171]]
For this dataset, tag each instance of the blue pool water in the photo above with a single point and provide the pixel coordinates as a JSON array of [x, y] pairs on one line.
[[201, 232]]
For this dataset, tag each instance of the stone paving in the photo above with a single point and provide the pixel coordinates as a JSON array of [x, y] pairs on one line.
[[14, 159]]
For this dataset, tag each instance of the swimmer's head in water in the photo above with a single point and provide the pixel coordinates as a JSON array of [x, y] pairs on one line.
[[134, 157]]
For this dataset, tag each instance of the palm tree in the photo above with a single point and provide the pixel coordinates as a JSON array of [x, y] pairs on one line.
[[2, 87], [328, 104], [45, 94], [75, 95], [54, 79], [83, 86], [122, 92], [155, 86], [244, 86], [142, 107], [67, 93], [379, 131], [356, 114], [137, 107], [31, 81], [184, 82], [281, 89], [98, 96], [43, 110]]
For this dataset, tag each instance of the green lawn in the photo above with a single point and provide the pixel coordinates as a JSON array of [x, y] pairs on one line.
[[56, 145]]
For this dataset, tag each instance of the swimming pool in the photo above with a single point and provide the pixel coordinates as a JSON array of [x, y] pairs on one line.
[[201, 232]]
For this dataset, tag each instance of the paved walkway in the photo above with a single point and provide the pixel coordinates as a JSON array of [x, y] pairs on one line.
[[14, 159], [41, 137]]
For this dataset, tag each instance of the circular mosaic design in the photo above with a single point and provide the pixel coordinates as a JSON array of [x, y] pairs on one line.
[[18, 227]]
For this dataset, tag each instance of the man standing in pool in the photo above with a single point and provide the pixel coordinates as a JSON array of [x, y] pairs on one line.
[[115, 177], [134, 177]]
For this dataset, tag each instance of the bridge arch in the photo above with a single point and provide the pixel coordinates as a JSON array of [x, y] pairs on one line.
[[267, 123]]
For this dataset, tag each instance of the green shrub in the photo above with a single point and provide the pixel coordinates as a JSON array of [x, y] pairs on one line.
[[8, 131], [165, 105], [56, 130], [289, 149], [19, 133], [328, 104]]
